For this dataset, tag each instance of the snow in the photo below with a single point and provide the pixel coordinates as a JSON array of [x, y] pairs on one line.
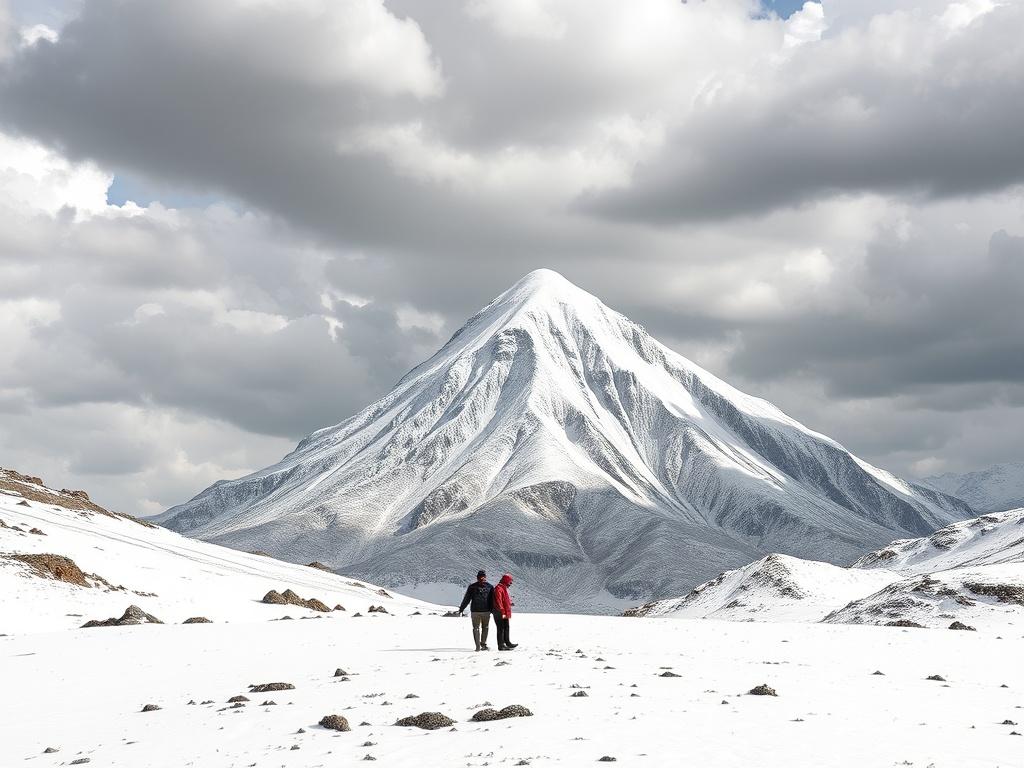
[[554, 438], [189, 577], [81, 691]]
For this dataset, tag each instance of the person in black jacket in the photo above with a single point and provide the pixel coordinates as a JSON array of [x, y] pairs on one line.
[[480, 598]]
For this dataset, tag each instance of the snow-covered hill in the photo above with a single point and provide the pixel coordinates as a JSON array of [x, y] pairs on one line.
[[986, 490], [774, 588], [554, 438], [114, 561], [987, 540], [971, 572]]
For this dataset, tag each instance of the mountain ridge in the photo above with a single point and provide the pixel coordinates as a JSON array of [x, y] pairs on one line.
[[553, 433]]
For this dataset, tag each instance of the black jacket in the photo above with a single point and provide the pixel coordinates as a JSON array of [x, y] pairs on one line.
[[481, 595]]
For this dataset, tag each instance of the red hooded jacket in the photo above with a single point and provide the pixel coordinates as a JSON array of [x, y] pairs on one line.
[[502, 603]]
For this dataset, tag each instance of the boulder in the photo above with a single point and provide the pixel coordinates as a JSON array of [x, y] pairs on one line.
[[429, 721], [335, 723]]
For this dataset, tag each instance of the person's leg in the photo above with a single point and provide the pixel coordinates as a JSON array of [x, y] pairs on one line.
[[508, 629], [485, 627], [502, 625], [475, 618]]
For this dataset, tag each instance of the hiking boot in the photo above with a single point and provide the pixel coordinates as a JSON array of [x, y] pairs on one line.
[[483, 647], [510, 646]]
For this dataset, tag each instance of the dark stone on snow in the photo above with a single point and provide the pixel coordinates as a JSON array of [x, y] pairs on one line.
[[151, 708], [762, 690], [960, 625], [335, 723], [268, 687], [429, 721]]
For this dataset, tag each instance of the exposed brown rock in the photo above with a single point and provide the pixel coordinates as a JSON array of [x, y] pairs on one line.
[[762, 690], [239, 699], [513, 710], [197, 620], [32, 488], [132, 615], [335, 723], [289, 597], [267, 687], [961, 625], [49, 566], [428, 721], [320, 566], [904, 623], [1004, 593], [151, 708]]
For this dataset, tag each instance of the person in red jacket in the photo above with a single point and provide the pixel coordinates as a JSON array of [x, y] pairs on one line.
[[503, 612]]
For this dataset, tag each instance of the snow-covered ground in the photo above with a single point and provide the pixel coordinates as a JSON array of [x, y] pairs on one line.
[[659, 692], [82, 691]]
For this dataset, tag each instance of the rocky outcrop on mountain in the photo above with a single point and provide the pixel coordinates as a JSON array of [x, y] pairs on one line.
[[133, 615], [288, 597], [50, 566], [554, 435]]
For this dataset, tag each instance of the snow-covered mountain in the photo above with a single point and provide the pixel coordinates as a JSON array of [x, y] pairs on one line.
[[986, 490], [554, 438], [971, 572], [65, 560]]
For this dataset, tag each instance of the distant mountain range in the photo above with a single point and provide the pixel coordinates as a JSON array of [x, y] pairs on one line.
[[554, 438], [987, 490]]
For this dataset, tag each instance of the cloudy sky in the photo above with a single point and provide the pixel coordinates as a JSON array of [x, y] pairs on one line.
[[226, 224]]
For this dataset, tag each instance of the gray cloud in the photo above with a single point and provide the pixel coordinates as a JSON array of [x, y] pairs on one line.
[[833, 225]]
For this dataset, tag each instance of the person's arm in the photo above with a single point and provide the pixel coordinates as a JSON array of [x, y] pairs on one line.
[[466, 600]]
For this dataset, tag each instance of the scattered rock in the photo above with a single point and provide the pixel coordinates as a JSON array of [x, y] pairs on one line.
[[513, 710], [429, 721], [961, 625], [294, 747], [339, 607], [288, 597], [369, 757], [1004, 593], [301, 730], [80, 761], [451, 614], [36, 531], [151, 708], [578, 695], [197, 620], [878, 672], [376, 609], [368, 744], [762, 690], [239, 699], [357, 615], [383, 593], [904, 623], [606, 759], [339, 672], [319, 566], [669, 674], [268, 687], [334, 723], [1007, 722], [50, 750], [49, 566], [269, 703], [133, 615], [411, 696], [939, 678]]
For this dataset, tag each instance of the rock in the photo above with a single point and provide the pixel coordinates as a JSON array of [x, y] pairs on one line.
[[578, 695], [376, 609], [606, 759], [76, 494], [669, 674], [878, 672], [301, 730], [960, 625], [289, 597], [357, 615], [294, 747], [334, 723], [485, 714], [939, 678], [36, 531], [368, 744], [273, 597], [316, 605], [239, 699], [1004, 593], [762, 690], [369, 757], [132, 616], [429, 721], [904, 623], [319, 566], [411, 696], [451, 614], [197, 620], [383, 593], [151, 708], [1007, 722], [339, 607], [269, 703], [80, 761], [50, 566], [267, 687], [514, 710], [339, 672], [50, 750]]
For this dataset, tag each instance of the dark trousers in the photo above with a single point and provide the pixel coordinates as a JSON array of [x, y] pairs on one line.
[[502, 626]]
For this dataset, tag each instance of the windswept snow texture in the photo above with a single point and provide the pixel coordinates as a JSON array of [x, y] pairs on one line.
[[774, 588], [554, 438], [166, 574], [987, 490], [987, 540]]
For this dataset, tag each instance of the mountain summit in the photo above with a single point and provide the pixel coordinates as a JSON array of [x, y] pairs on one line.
[[553, 437]]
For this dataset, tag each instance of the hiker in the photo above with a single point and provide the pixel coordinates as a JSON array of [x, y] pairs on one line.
[[480, 597], [503, 612]]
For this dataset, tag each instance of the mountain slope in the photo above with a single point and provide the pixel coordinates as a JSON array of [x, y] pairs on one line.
[[987, 490], [107, 561], [553, 437], [774, 588]]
